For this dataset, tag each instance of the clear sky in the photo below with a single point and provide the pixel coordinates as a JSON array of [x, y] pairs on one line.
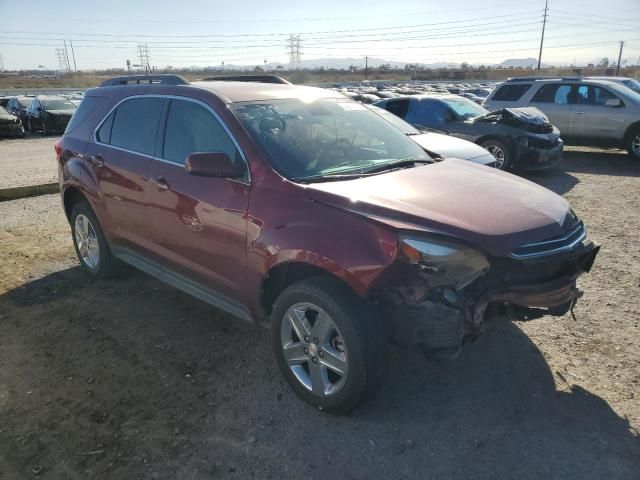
[[206, 33]]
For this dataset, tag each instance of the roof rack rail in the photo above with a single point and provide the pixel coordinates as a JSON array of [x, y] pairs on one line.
[[529, 79], [248, 78], [161, 79]]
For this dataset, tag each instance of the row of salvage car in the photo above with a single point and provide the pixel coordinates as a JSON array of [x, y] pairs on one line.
[[518, 134]]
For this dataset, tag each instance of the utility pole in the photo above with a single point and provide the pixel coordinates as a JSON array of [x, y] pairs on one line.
[[63, 61], [1, 63], [294, 50], [73, 54], [143, 52], [619, 58], [66, 56], [544, 24], [366, 67]]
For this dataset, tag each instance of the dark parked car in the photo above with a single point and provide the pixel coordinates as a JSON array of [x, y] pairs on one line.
[[18, 106], [49, 114], [10, 125], [520, 139], [298, 205]]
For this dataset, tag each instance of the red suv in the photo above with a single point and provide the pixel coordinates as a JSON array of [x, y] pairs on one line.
[[298, 205]]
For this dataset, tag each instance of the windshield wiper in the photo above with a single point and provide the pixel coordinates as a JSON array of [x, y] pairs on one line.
[[407, 162], [330, 177]]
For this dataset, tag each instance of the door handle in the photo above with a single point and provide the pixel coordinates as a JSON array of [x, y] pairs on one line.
[[161, 183], [579, 113], [96, 160]]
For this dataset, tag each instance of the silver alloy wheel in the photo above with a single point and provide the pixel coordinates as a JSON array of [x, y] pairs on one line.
[[498, 154], [87, 242], [635, 145], [314, 349]]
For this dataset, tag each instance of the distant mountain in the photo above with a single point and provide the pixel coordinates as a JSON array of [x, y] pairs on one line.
[[359, 62], [521, 63]]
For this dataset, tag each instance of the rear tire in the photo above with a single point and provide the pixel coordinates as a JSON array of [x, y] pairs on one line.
[[90, 243], [633, 144], [501, 151], [330, 345]]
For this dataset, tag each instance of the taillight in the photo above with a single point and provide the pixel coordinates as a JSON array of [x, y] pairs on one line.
[[58, 148]]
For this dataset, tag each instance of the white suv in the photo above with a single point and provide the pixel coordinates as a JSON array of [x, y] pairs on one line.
[[587, 111]]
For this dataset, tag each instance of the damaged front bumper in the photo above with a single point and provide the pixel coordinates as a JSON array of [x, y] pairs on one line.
[[440, 321], [539, 154]]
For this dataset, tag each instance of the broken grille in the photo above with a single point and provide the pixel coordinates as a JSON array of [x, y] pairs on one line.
[[559, 244]]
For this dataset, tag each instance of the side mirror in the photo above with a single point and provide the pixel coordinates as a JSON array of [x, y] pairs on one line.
[[613, 102], [39, 109], [213, 164]]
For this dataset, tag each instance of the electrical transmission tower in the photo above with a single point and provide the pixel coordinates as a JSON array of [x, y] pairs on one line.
[[295, 52], [63, 59], [143, 53]]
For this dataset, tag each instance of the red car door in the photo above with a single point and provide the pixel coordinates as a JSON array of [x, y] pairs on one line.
[[120, 158], [200, 222]]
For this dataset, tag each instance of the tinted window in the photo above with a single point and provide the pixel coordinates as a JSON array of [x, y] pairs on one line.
[[553, 93], [86, 107], [429, 112], [192, 128], [600, 96], [511, 92], [135, 125], [24, 102], [398, 107], [104, 132]]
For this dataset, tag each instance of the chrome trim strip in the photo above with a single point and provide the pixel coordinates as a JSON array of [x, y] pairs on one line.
[[568, 235], [176, 97], [563, 248]]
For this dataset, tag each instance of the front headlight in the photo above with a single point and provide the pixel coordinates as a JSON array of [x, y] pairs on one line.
[[444, 263]]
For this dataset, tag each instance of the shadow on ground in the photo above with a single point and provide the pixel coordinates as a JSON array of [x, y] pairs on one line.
[[562, 179], [128, 378]]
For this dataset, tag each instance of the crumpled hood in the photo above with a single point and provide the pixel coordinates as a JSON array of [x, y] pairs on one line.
[[488, 208], [452, 147], [529, 115]]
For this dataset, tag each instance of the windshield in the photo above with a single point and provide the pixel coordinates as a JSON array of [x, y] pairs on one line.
[[632, 84], [396, 121], [464, 108], [324, 137], [57, 104]]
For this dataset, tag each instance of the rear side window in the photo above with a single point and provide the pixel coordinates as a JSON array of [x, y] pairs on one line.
[[87, 106], [135, 125], [511, 92], [429, 113], [398, 107], [103, 134], [553, 93], [192, 128]]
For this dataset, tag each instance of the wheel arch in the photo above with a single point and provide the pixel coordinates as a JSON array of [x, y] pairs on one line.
[[70, 197], [286, 273], [630, 130]]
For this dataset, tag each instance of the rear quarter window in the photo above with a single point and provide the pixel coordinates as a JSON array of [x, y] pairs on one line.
[[510, 92], [135, 125], [87, 106]]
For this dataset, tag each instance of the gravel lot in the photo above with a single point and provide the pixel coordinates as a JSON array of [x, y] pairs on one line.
[[129, 379], [31, 161]]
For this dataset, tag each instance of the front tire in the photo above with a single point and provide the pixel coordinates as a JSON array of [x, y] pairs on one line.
[[329, 344], [633, 145], [90, 243], [501, 151]]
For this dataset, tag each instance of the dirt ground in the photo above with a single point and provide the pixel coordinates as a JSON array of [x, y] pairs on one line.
[[34, 165], [130, 379]]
